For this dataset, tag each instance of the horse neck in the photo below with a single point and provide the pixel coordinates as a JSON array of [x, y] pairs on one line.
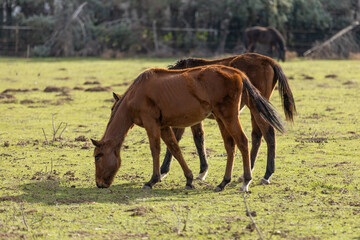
[[118, 126]]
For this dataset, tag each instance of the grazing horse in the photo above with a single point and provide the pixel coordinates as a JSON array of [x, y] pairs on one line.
[[265, 35], [159, 99], [264, 73]]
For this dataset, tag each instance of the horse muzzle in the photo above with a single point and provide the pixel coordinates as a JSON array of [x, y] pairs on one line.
[[102, 185]]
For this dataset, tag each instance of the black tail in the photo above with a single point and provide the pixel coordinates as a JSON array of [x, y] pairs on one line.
[[266, 110], [286, 95]]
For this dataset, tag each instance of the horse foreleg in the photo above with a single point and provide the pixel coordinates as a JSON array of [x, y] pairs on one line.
[[252, 47], [153, 133], [230, 151], [198, 136], [165, 167], [169, 138]]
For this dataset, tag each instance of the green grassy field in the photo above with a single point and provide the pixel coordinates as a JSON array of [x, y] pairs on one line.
[[48, 190]]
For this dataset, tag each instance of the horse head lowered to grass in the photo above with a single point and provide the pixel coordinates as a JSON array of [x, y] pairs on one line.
[[159, 99]]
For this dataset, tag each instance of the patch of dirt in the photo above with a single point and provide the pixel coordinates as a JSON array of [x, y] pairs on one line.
[[350, 82], [10, 198], [315, 116], [16, 90], [340, 164], [62, 78], [23, 143], [9, 101], [62, 69], [121, 84], [91, 83], [63, 94], [109, 100], [98, 89], [27, 101], [86, 146], [331, 76], [139, 211], [307, 77], [7, 96], [61, 101], [312, 140], [6, 144], [252, 213], [81, 138], [323, 85], [56, 89], [79, 88]]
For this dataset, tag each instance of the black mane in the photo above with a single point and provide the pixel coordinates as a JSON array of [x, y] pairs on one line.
[[188, 63]]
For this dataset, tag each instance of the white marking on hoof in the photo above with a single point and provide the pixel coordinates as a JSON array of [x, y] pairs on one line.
[[245, 187], [263, 181], [202, 176], [146, 187], [241, 178], [163, 176]]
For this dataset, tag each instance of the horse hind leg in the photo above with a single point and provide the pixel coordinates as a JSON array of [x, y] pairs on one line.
[[198, 136], [256, 136], [232, 125], [230, 151], [165, 167], [169, 138], [269, 135]]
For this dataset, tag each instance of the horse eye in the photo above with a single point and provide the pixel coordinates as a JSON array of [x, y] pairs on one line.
[[97, 157]]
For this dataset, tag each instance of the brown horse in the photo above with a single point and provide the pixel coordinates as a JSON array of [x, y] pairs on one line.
[[263, 73], [265, 35], [161, 98]]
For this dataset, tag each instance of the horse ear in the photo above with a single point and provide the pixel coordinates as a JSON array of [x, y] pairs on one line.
[[96, 143], [116, 96]]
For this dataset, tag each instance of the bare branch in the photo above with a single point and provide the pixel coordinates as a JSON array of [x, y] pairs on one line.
[[63, 130], [23, 216], [45, 135], [253, 221]]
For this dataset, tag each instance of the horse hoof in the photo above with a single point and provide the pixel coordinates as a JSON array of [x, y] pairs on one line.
[[241, 179], [162, 176], [264, 181], [218, 189], [146, 187], [202, 176], [244, 189], [189, 187]]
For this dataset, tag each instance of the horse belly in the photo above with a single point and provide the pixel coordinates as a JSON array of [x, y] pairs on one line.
[[184, 114]]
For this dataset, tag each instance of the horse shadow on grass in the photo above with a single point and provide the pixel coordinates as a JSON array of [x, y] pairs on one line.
[[56, 192]]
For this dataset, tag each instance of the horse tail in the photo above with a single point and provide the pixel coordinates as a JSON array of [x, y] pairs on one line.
[[286, 95], [263, 106]]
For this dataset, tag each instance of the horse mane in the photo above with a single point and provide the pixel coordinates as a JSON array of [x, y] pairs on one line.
[[195, 62], [279, 37], [188, 62]]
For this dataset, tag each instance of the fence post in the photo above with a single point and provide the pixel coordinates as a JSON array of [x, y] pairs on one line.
[[155, 37], [16, 39]]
